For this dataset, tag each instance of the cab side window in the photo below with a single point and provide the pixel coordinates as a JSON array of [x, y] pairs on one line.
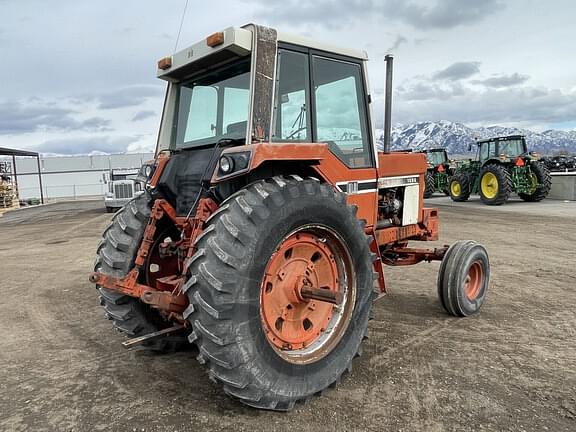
[[291, 112], [340, 110], [484, 151]]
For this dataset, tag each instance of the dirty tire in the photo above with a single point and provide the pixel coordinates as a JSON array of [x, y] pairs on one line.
[[224, 287], [504, 184], [115, 257], [544, 179], [430, 186], [464, 182], [463, 278]]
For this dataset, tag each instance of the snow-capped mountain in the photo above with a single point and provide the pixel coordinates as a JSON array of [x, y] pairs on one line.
[[456, 137]]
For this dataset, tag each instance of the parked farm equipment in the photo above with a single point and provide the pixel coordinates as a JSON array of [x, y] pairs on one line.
[[503, 165], [439, 172], [262, 233]]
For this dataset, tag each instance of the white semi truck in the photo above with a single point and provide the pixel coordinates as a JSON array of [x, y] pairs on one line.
[[122, 187]]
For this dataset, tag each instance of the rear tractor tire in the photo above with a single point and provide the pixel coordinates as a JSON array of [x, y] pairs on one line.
[[540, 175], [262, 338], [115, 257], [430, 185], [459, 187], [495, 184], [463, 278]]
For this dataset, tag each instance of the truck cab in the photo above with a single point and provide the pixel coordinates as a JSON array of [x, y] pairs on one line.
[[122, 187]]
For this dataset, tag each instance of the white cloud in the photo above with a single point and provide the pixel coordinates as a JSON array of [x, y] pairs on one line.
[[78, 68]]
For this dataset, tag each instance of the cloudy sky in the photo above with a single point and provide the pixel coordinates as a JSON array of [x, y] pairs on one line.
[[79, 76]]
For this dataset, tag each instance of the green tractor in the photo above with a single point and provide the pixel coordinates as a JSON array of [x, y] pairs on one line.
[[439, 171], [503, 165]]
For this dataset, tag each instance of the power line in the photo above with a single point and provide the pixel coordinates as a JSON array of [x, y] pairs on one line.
[[181, 23]]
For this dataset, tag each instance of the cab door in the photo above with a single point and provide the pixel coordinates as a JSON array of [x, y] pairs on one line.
[[340, 118], [322, 98]]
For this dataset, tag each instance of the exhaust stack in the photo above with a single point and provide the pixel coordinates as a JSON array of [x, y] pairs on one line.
[[389, 59]]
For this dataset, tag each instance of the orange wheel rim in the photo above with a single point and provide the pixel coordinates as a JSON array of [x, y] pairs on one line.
[[300, 329], [474, 280]]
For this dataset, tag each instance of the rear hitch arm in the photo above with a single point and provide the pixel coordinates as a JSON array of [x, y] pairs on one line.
[[401, 255], [164, 300]]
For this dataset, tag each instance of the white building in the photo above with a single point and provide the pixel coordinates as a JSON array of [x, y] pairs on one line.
[[71, 176]]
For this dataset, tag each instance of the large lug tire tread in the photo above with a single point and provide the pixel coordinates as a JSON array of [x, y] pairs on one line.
[[224, 287], [464, 181], [505, 185], [430, 185], [115, 257], [544, 178], [453, 271]]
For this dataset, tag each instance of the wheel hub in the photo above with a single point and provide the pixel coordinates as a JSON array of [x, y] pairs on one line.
[[290, 320], [456, 188], [308, 294], [473, 281], [489, 185]]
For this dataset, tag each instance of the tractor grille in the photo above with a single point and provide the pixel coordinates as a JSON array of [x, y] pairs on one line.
[[123, 191]]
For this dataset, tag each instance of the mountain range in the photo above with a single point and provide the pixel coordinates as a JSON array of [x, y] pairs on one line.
[[456, 137]]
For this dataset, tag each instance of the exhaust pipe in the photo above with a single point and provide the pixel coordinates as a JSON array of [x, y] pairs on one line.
[[389, 59]]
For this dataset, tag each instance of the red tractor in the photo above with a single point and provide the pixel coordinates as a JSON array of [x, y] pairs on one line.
[[268, 217]]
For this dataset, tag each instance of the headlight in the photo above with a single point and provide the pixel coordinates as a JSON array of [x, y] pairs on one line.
[[226, 165], [232, 164]]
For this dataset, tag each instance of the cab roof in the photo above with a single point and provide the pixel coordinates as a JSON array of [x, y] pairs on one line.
[[237, 42], [321, 46], [503, 138]]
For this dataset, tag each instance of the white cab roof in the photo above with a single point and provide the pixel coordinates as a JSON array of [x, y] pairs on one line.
[[314, 44]]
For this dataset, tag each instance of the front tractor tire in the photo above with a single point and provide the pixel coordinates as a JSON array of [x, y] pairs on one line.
[[115, 257], [540, 177], [265, 342], [463, 278], [495, 184], [459, 187]]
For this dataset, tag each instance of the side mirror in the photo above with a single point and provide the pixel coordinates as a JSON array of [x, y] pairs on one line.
[[104, 178], [469, 147]]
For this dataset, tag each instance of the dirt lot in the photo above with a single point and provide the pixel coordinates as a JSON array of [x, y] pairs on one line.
[[513, 367]]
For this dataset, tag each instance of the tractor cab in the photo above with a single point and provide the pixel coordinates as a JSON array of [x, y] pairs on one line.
[[247, 100], [250, 103], [264, 86], [436, 157], [503, 149]]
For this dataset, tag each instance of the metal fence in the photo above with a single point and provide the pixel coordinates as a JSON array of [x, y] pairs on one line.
[[70, 191]]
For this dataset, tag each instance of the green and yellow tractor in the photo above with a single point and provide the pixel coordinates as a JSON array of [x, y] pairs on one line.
[[503, 165], [438, 173]]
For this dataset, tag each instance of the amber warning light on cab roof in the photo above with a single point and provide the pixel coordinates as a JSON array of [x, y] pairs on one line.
[[165, 63], [212, 41], [215, 39]]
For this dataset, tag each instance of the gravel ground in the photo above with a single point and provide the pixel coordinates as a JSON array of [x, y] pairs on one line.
[[512, 367]]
